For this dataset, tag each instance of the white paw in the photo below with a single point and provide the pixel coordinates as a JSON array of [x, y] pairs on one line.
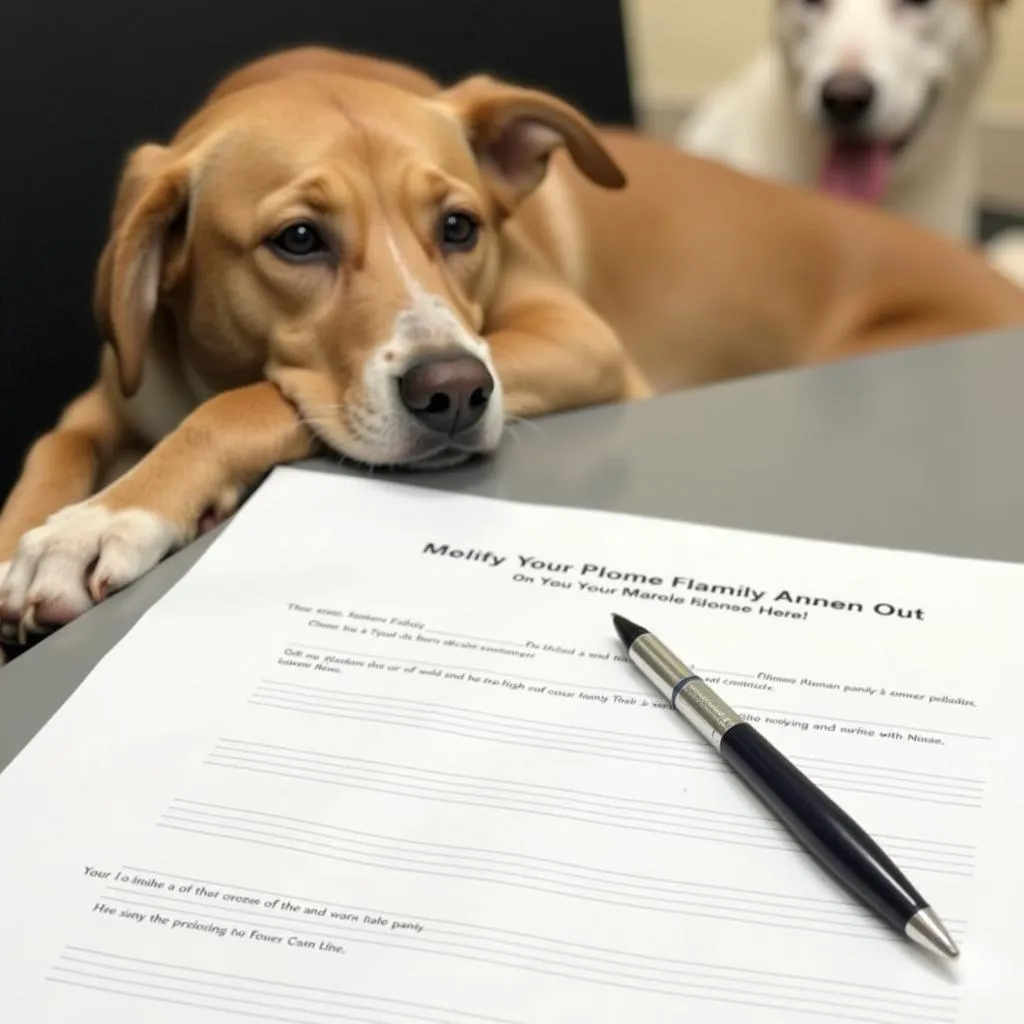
[[75, 559]]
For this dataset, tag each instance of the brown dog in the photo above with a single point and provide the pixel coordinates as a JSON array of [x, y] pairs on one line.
[[336, 251]]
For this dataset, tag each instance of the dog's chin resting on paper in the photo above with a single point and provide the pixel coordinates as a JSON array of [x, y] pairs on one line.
[[337, 254]]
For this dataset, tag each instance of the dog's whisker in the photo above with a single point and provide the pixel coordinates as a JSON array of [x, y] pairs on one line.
[[331, 452], [513, 433], [515, 422]]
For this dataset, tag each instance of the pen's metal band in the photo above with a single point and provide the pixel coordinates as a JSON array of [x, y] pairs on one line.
[[706, 711], [684, 689]]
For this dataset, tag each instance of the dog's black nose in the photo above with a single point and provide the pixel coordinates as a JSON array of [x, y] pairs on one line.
[[847, 97], [447, 395]]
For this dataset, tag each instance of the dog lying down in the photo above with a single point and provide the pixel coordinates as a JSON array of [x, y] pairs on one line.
[[336, 253]]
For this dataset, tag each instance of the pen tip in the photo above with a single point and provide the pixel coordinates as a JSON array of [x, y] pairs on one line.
[[928, 931], [628, 631]]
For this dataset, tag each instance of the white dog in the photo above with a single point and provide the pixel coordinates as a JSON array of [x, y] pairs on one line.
[[871, 100]]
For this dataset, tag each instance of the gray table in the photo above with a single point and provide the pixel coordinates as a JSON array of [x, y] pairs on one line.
[[919, 450]]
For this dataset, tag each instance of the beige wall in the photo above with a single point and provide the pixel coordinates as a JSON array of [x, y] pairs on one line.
[[682, 47]]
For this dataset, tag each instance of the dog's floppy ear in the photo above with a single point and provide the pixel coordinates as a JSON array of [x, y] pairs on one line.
[[513, 131], [152, 196]]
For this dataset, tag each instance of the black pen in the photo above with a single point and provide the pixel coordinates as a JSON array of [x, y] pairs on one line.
[[826, 830]]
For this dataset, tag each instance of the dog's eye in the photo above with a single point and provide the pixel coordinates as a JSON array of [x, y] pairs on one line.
[[459, 231], [298, 241]]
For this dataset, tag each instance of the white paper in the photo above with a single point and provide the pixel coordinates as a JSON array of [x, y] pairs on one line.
[[339, 775]]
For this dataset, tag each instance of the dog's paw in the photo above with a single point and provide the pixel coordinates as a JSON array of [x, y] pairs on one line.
[[74, 560]]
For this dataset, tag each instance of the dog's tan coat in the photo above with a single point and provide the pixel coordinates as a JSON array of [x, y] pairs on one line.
[[221, 362]]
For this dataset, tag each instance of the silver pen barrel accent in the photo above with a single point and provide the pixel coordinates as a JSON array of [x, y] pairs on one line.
[[683, 689]]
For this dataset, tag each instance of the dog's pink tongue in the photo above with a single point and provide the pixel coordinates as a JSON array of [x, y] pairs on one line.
[[857, 170]]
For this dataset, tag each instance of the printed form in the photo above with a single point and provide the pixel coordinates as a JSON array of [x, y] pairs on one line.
[[379, 758]]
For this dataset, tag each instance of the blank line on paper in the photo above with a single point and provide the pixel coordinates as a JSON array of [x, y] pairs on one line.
[[420, 782], [203, 890], [682, 752], [674, 977], [572, 881], [217, 990]]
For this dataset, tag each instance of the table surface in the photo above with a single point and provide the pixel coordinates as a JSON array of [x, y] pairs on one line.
[[917, 450]]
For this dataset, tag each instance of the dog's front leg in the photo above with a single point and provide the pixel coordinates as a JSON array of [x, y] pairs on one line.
[[61, 467], [553, 352], [85, 551]]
